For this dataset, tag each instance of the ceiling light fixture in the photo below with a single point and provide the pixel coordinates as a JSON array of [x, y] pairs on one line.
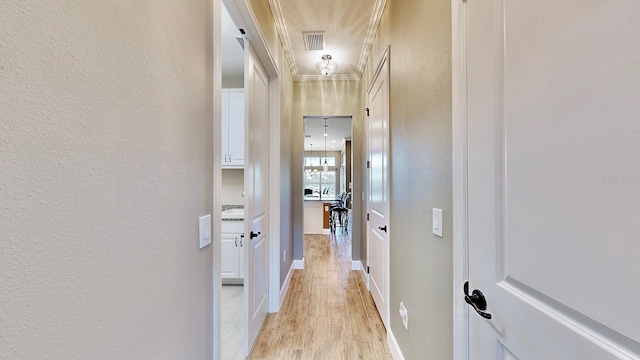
[[325, 166], [326, 66]]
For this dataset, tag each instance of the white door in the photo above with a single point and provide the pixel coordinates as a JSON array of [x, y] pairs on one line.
[[554, 178], [378, 199], [256, 240]]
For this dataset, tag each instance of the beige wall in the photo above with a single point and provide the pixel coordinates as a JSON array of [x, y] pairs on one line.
[[420, 163], [232, 187], [286, 210], [320, 98], [107, 153]]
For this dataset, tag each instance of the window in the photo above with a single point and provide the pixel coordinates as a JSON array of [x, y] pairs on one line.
[[319, 161], [320, 184]]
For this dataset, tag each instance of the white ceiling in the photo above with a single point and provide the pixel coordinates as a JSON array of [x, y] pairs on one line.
[[338, 128], [349, 29]]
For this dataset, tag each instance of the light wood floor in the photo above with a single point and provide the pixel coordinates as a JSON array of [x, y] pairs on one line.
[[327, 314]]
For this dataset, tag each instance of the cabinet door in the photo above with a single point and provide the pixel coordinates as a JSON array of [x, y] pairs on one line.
[[236, 128], [225, 127], [230, 268]]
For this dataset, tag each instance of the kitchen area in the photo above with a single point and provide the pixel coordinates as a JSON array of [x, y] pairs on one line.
[[327, 175]]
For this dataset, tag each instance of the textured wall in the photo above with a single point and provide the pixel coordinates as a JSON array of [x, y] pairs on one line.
[[106, 163], [318, 98], [420, 163]]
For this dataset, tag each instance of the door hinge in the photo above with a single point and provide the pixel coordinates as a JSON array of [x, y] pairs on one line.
[[367, 110], [368, 164], [367, 216], [367, 269]]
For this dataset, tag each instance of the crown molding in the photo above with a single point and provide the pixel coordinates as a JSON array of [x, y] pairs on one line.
[[281, 27]]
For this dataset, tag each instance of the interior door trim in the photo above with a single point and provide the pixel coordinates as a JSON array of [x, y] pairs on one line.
[[460, 178]]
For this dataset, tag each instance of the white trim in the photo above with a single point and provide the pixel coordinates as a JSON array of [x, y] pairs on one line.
[[326, 231], [285, 287], [298, 264], [356, 265], [393, 346], [216, 216], [374, 22], [284, 35], [459, 167], [365, 276], [274, 195]]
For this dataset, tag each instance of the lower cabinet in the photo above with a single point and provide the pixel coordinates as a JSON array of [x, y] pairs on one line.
[[232, 256]]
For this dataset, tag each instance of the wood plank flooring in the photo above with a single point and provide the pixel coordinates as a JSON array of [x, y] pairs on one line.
[[327, 313]]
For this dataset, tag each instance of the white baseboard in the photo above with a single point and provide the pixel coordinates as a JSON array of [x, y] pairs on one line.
[[326, 231], [285, 286], [298, 264], [356, 265], [393, 346]]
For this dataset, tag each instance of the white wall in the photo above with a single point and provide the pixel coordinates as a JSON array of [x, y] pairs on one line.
[[106, 164], [232, 187]]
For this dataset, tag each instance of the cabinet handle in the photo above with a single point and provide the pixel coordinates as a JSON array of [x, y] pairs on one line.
[[236, 242], [241, 238]]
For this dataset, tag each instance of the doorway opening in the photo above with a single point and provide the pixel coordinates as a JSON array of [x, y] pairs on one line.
[[328, 175], [232, 310]]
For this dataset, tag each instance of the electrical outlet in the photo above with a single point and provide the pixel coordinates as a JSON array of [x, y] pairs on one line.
[[404, 315], [284, 256]]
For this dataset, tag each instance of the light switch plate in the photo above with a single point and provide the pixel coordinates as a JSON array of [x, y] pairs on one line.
[[437, 221], [204, 225]]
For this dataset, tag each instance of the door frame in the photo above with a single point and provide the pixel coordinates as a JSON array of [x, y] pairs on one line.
[[384, 61], [460, 178], [244, 17]]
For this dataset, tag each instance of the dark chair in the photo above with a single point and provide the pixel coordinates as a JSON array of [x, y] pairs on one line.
[[339, 213]]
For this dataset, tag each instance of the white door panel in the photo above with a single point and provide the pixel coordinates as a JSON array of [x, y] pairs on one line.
[[378, 187], [256, 240], [554, 179]]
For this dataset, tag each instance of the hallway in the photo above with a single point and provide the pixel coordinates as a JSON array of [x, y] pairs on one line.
[[328, 312]]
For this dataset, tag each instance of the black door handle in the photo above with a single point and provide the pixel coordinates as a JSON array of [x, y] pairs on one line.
[[383, 228], [476, 300], [253, 235]]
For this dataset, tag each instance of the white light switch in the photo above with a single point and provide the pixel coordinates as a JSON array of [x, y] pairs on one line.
[[204, 223], [437, 222]]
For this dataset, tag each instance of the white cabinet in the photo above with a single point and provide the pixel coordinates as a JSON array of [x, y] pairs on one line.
[[232, 128], [232, 256]]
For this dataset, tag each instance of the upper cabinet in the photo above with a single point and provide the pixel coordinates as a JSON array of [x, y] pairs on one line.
[[232, 128]]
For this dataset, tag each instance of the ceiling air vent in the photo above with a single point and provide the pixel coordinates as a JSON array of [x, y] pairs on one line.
[[313, 40], [240, 41]]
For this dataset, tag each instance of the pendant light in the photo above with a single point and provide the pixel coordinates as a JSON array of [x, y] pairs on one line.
[[325, 166]]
